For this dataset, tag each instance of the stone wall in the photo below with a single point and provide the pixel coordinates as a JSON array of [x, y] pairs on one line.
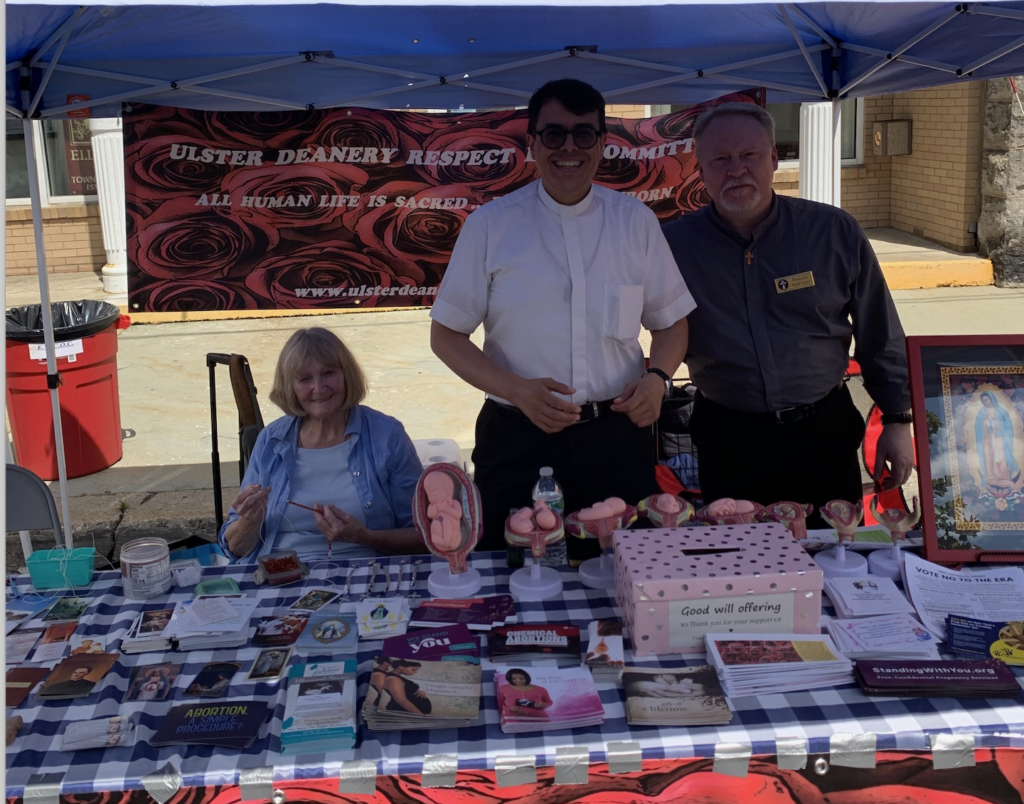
[[1001, 226]]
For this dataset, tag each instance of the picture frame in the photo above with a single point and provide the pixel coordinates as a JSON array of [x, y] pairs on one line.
[[967, 396]]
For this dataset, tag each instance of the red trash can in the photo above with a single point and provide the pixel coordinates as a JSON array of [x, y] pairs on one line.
[[90, 409]]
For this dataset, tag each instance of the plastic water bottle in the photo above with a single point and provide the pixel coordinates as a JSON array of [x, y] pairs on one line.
[[547, 489]]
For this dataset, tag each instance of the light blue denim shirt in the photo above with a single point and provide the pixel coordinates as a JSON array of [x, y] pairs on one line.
[[383, 467]]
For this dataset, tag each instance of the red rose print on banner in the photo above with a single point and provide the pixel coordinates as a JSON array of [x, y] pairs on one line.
[[152, 173], [261, 130], [180, 240], [324, 275], [651, 174], [272, 199], [422, 231], [496, 164], [193, 295], [365, 128]]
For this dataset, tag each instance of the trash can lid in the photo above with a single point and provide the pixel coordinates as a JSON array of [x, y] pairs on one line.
[[74, 319]]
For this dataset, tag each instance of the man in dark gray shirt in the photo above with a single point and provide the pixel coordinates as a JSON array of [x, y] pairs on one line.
[[782, 286]]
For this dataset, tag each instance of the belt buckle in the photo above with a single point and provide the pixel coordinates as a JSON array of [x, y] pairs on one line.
[[781, 418], [595, 411]]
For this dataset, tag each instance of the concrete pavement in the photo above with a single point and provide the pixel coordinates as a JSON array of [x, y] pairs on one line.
[[164, 480]]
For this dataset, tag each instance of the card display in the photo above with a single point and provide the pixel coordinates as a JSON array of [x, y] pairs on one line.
[[329, 633]]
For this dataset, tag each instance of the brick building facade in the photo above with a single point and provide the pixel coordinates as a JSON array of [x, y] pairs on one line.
[[934, 193]]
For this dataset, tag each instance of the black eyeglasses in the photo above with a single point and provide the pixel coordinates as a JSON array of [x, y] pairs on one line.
[[554, 136]]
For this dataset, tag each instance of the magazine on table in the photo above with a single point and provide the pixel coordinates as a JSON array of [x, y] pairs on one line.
[[674, 696], [320, 708], [953, 678], [477, 613], [547, 698], [991, 594], [450, 643], [411, 694]]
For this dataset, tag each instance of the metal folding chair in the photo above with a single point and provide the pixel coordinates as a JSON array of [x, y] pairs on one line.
[[30, 504]]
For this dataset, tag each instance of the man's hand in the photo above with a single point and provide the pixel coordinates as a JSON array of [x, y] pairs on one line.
[[536, 398], [641, 400], [895, 449]]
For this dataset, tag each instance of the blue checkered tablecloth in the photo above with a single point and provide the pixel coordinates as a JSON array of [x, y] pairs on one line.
[[899, 723]]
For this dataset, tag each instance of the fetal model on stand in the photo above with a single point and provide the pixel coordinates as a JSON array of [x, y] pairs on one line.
[[790, 514], [897, 521], [446, 513], [600, 521], [728, 511], [839, 562], [666, 510], [534, 528]]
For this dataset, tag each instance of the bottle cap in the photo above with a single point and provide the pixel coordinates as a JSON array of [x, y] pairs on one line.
[[546, 471]]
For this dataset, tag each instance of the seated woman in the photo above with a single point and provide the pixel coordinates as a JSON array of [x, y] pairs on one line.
[[353, 465]]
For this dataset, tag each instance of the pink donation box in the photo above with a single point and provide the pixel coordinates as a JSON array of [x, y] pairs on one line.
[[675, 585]]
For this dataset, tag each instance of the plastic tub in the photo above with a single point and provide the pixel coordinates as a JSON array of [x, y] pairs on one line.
[[60, 568], [145, 568]]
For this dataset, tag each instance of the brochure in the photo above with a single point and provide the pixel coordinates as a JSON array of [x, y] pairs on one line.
[[477, 613], [213, 680], [280, 629], [674, 696], [329, 633], [605, 656], [106, 732], [19, 610], [379, 617], [20, 681], [315, 599], [234, 724], [19, 644], [66, 608], [526, 644], [451, 643], [54, 642], [422, 695], [77, 676], [936, 592], [151, 682], [956, 678], [866, 597], [547, 698], [983, 639], [749, 664], [320, 708], [896, 636]]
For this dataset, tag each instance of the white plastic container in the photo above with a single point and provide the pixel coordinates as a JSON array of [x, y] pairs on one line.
[[145, 568]]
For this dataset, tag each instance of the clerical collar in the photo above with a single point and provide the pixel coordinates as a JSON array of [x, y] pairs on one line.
[[565, 210]]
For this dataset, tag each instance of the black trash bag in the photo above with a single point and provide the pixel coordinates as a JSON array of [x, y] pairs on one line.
[[78, 319]]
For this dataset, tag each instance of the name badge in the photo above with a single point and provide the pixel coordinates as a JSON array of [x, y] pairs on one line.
[[784, 284]]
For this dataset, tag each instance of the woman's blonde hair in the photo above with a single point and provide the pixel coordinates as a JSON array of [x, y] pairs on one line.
[[315, 345]]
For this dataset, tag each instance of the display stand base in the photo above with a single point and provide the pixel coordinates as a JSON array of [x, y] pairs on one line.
[[598, 573], [443, 583], [886, 563], [841, 563], [535, 583]]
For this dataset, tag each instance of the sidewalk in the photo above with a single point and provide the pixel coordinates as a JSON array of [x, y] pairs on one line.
[[164, 481]]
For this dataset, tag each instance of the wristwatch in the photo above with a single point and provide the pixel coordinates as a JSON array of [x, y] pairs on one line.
[[667, 380], [897, 418]]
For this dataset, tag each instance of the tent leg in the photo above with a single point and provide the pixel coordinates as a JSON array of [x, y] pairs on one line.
[[44, 297]]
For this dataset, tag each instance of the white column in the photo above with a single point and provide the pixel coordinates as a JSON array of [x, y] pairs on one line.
[[108, 153], [817, 163]]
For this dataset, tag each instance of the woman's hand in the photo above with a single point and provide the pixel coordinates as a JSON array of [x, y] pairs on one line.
[[338, 526], [251, 503]]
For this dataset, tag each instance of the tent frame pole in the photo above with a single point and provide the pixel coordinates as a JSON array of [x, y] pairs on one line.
[[52, 376]]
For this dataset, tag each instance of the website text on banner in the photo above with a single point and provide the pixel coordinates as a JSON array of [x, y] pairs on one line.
[[345, 208]]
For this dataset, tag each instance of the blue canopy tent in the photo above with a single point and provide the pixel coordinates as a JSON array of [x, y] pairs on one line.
[[254, 55]]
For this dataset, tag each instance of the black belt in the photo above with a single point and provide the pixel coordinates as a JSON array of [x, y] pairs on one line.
[[791, 415], [588, 410]]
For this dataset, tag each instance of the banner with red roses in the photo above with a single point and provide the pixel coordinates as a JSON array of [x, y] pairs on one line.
[[345, 208]]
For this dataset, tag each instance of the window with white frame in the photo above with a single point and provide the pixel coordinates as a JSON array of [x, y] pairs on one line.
[[64, 158], [787, 130]]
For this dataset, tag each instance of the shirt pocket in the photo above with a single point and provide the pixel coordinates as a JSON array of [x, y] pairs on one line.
[[623, 306]]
